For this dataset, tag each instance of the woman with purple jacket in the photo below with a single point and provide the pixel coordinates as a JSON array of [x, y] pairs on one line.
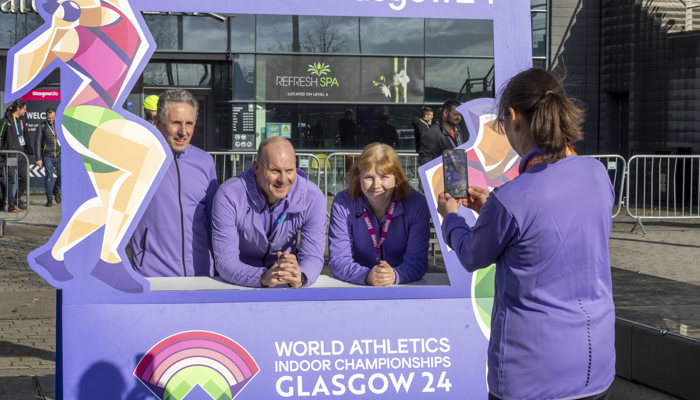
[[379, 228], [553, 318]]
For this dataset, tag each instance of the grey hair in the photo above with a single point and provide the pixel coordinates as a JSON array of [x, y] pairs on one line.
[[177, 96]]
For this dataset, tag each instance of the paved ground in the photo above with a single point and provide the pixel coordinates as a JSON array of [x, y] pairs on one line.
[[665, 258]]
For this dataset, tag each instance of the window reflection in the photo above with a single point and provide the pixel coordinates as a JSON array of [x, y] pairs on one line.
[[459, 37], [462, 79], [539, 34], [406, 36], [242, 33], [316, 126], [244, 77], [185, 32], [538, 4], [273, 33], [177, 74]]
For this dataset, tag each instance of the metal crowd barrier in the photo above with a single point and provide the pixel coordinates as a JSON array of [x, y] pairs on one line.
[[338, 170], [616, 166], [9, 163], [646, 186], [663, 187], [229, 164]]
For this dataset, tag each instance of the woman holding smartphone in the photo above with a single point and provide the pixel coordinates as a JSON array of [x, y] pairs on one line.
[[553, 319], [379, 228]]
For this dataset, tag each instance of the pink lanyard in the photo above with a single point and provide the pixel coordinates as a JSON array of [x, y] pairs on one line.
[[385, 229]]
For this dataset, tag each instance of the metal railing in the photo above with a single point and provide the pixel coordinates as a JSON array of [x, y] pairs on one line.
[[617, 167], [9, 178], [229, 164], [663, 187], [646, 186], [338, 170]]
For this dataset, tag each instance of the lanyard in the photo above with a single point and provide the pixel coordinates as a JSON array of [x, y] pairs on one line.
[[455, 137], [546, 158], [16, 128], [385, 228]]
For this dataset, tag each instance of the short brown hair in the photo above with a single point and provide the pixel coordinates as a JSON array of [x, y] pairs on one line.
[[384, 158], [555, 121]]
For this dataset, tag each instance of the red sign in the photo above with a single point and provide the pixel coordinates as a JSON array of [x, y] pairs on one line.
[[43, 95]]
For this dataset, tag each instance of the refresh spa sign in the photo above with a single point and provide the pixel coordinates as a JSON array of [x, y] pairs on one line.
[[334, 78]]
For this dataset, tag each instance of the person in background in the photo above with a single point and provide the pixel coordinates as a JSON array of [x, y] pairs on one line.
[[347, 130], [380, 226], [386, 132], [150, 108], [422, 124], [49, 156], [173, 237], [553, 319], [269, 223], [446, 134], [14, 135]]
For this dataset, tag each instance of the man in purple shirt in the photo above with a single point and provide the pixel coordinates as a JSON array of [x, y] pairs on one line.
[[173, 237], [256, 217]]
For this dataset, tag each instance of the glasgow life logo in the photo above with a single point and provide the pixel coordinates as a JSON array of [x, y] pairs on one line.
[[319, 77]]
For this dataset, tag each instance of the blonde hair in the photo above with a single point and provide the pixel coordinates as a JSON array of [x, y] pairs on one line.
[[386, 161]]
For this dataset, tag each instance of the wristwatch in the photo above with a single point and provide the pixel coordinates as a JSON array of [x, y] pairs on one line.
[[304, 280]]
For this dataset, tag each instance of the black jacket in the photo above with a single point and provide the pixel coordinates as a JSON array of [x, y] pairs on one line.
[[46, 142], [10, 139], [435, 140], [420, 126]]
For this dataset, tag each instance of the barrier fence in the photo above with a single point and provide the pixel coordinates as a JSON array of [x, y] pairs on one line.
[[662, 187], [9, 184], [646, 186]]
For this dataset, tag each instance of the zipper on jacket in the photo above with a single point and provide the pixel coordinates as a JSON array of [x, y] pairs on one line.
[[269, 239], [182, 216], [143, 250]]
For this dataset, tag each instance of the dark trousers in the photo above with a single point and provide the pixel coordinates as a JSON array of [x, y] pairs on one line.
[[16, 192], [51, 165]]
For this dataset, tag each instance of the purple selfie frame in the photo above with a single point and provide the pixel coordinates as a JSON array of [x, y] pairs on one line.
[[512, 53]]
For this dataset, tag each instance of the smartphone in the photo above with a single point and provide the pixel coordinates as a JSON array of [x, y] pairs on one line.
[[454, 169]]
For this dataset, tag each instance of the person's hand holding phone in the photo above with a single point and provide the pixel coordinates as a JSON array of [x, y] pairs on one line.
[[476, 199]]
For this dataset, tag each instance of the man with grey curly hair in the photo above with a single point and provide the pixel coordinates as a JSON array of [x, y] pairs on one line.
[[173, 237]]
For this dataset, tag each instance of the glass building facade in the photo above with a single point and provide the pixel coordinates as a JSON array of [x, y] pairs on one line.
[[296, 76]]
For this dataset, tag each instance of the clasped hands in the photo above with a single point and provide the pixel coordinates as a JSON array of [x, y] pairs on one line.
[[381, 274], [477, 198], [285, 270]]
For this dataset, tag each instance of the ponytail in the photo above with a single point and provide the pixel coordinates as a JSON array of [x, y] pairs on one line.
[[555, 121]]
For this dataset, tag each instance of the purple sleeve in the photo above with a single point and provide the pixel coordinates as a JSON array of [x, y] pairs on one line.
[[415, 259], [312, 244], [225, 244], [482, 245], [341, 243]]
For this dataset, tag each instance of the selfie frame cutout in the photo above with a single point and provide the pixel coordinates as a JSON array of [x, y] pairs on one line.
[[512, 53]]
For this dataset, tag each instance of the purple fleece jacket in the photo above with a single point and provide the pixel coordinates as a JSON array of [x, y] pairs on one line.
[[553, 318], [246, 233], [351, 251], [176, 223]]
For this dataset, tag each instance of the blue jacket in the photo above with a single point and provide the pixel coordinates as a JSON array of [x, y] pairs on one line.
[[173, 237], [553, 318], [246, 233], [352, 253]]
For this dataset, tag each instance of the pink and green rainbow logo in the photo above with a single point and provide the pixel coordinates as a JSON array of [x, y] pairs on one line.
[[196, 362]]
